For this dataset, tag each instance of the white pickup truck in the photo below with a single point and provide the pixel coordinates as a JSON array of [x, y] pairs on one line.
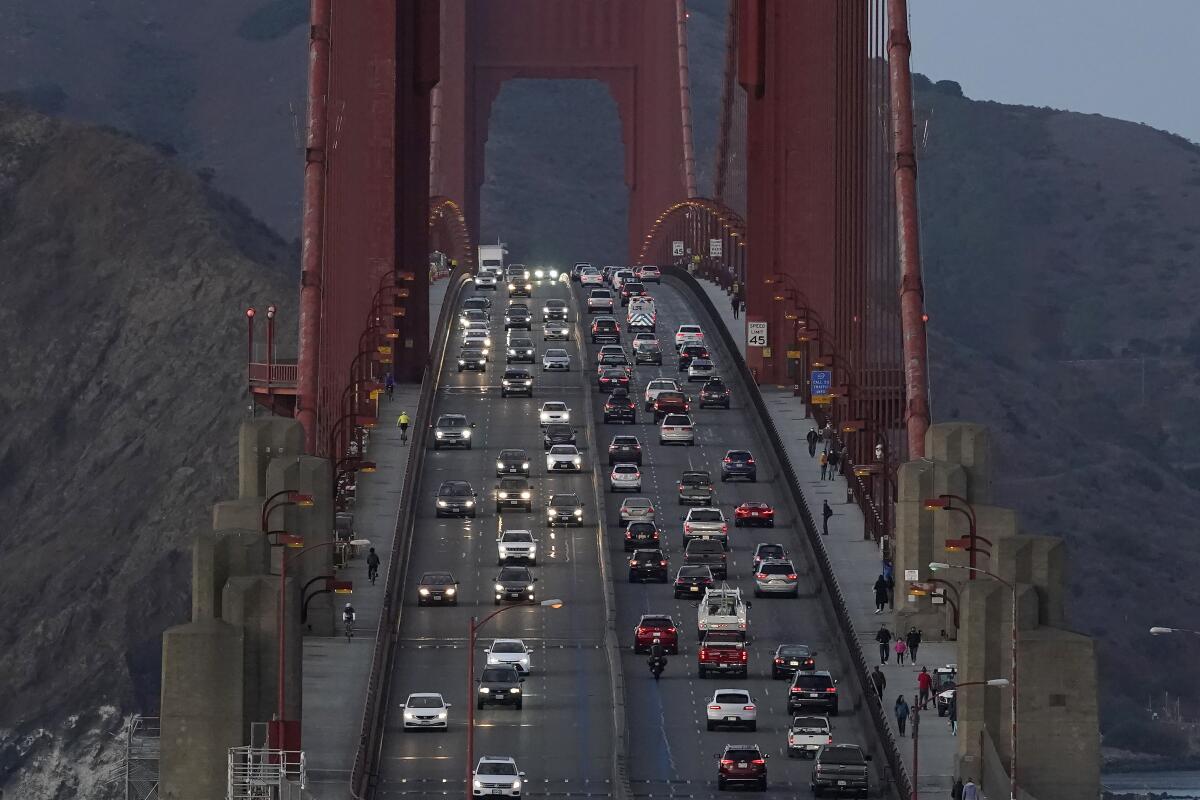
[[806, 735], [722, 609]]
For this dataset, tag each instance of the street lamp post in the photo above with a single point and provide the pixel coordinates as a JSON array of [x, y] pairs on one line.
[[1159, 631], [945, 502], [474, 625], [1012, 744], [294, 498]]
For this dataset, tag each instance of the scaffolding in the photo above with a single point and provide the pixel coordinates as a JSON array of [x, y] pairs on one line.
[[138, 772], [260, 773]]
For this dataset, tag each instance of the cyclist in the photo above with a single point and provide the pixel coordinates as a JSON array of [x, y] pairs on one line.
[[348, 616], [402, 424], [372, 565], [389, 384]]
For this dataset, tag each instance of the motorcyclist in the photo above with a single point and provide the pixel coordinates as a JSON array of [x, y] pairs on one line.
[[658, 658]]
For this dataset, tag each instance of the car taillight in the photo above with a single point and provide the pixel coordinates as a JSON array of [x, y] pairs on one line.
[[670, 630], [762, 576], [656, 405], [724, 528], [727, 460], [791, 576], [641, 629], [747, 708], [831, 689], [749, 460], [703, 654], [796, 690], [714, 708], [628, 535], [726, 762], [662, 563], [745, 655], [687, 527], [778, 660], [633, 563], [829, 740], [759, 761]]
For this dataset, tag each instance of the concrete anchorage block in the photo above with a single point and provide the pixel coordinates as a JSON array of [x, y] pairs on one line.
[[969, 445], [918, 541], [245, 513], [253, 604], [313, 476], [261, 440], [218, 556]]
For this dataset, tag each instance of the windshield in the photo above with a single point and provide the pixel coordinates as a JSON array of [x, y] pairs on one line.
[[742, 754], [558, 428], [454, 488], [513, 574], [676, 419], [689, 328], [703, 546], [500, 675], [625, 469], [554, 407], [494, 768], [449, 421], [624, 441], [637, 502], [564, 500], [694, 572], [512, 454], [705, 515], [695, 478], [641, 527], [556, 353], [776, 569], [563, 450], [508, 647], [656, 622], [601, 293], [424, 702], [518, 536], [770, 551], [841, 755], [437, 578]]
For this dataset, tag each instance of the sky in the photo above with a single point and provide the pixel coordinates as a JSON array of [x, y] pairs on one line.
[[1131, 59]]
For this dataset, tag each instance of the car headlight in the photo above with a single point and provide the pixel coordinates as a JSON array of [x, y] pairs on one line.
[[514, 690], [441, 715], [467, 434], [499, 588], [550, 512], [511, 287], [503, 495], [504, 382], [461, 362], [539, 274], [553, 273], [470, 503], [516, 784], [579, 512], [441, 503], [575, 460], [526, 274], [499, 465], [487, 342], [451, 590], [524, 465], [512, 352], [478, 785], [423, 592], [482, 690], [529, 588], [524, 495], [485, 351], [438, 434]]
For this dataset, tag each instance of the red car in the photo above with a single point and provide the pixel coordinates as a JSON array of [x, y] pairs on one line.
[[656, 628], [753, 514], [744, 764], [670, 403]]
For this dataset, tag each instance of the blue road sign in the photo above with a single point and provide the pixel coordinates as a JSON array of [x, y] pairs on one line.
[[822, 380]]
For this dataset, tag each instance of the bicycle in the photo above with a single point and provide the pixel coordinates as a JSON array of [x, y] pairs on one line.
[[349, 627], [372, 573], [404, 434]]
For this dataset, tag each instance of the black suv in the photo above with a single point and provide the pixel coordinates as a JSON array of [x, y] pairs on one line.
[[499, 686], [564, 509], [455, 499], [612, 379], [516, 381], [604, 329], [648, 565], [714, 394], [520, 350], [708, 553], [739, 464], [640, 535], [688, 352], [625, 450], [452, 430], [517, 316], [472, 359], [631, 289], [813, 690], [512, 462], [513, 493], [558, 433], [840, 768], [515, 583], [619, 407]]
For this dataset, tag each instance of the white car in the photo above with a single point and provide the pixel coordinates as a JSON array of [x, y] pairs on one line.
[[705, 523], [701, 369], [600, 300], [625, 478], [733, 707], [688, 334], [649, 274], [485, 280], [509, 651], [657, 386], [472, 315], [554, 411], [478, 340], [644, 337], [564, 458], [637, 509], [590, 276], [677, 429], [425, 710], [807, 735], [497, 776], [560, 331], [556, 360], [516, 545]]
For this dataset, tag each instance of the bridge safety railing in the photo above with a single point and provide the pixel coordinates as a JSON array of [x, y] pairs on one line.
[[891, 750], [364, 774]]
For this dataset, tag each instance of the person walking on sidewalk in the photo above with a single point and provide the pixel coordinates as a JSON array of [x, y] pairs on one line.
[[824, 462], [834, 459], [881, 594], [901, 713], [736, 302], [913, 639], [879, 681], [953, 715], [826, 513], [970, 790], [901, 648], [812, 442], [884, 637], [956, 790], [389, 385], [924, 684]]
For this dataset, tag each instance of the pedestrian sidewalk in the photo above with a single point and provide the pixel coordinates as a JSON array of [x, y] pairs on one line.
[[336, 671], [857, 563]]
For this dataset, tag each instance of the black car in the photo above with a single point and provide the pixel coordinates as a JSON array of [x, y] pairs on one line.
[[620, 407], [499, 686], [813, 690], [516, 584], [625, 449], [709, 553], [640, 535], [513, 493], [512, 462], [739, 464], [564, 509], [480, 302], [631, 289], [692, 580], [519, 284], [714, 394], [611, 379], [455, 499], [472, 359], [604, 329], [557, 433], [792, 658], [554, 310], [516, 381], [689, 352], [437, 587], [520, 351], [517, 317], [647, 565], [452, 430]]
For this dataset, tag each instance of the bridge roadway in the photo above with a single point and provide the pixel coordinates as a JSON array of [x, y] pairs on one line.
[[562, 737]]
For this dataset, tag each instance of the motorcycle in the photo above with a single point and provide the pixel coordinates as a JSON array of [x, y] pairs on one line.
[[657, 665]]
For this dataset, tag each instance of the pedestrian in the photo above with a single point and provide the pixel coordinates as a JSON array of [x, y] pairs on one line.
[[736, 302], [824, 462], [956, 790], [834, 458], [826, 513], [913, 639], [924, 684], [901, 648], [812, 442], [884, 637], [953, 715], [879, 681], [389, 384], [881, 594], [970, 790], [901, 713], [827, 432]]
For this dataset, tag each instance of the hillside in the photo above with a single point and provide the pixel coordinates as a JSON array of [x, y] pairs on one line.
[[125, 280]]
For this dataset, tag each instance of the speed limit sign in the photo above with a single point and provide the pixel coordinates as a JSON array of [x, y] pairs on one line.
[[756, 334], [676, 248]]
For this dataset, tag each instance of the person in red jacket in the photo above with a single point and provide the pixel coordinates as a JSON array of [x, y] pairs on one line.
[[924, 685]]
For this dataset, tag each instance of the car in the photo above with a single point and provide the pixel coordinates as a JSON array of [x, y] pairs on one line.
[[700, 369], [754, 514], [670, 403], [612, 378], [612, 350], [813, 689], [613, 358], [689, 353], [714, 393], [790, 659], [520, 287], [452, 430], [497, 776], [599, 300], [478, 303], [604, 329], [437, 587], [776, 576], [739, 464], [644, 337], [625, 478], [478, 340], [514, 583], [472, 359], [485, 280], [554, 411], [564, 458], [708, 553], [733, 708], [517, 317], [499, 685], [625, 448], [556, 310], [516, 381], [564, 509], [425, 711], [676, 429], [455, 498], [655, 629], [631, 289], [840, 768], [688, 334], [692, 580], [470, 315], [641, 534], [619, 407], [724, 653], [649, 274], [742, 764], [556, 360], [807, 735], [516, 545], [696, 488], [512, 462], [520, 350], [705, 523], [641, 318], [621, 276], [578, 269], [513, 493], [647, 352], [636, 509], [590, 277], [944, 682], [647, 564], [657, 386], [557, 433], [722, 610], [477, 323], [559, 331]]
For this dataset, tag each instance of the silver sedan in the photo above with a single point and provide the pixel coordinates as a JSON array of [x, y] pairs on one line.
[[556, 360]]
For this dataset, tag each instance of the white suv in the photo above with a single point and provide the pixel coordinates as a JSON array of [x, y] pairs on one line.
[[497, 776], [516, 545], [677, 429], [600, 300], [688, 334], [732, 707]]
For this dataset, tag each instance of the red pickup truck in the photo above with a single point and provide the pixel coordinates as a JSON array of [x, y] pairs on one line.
[[722, 652]]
